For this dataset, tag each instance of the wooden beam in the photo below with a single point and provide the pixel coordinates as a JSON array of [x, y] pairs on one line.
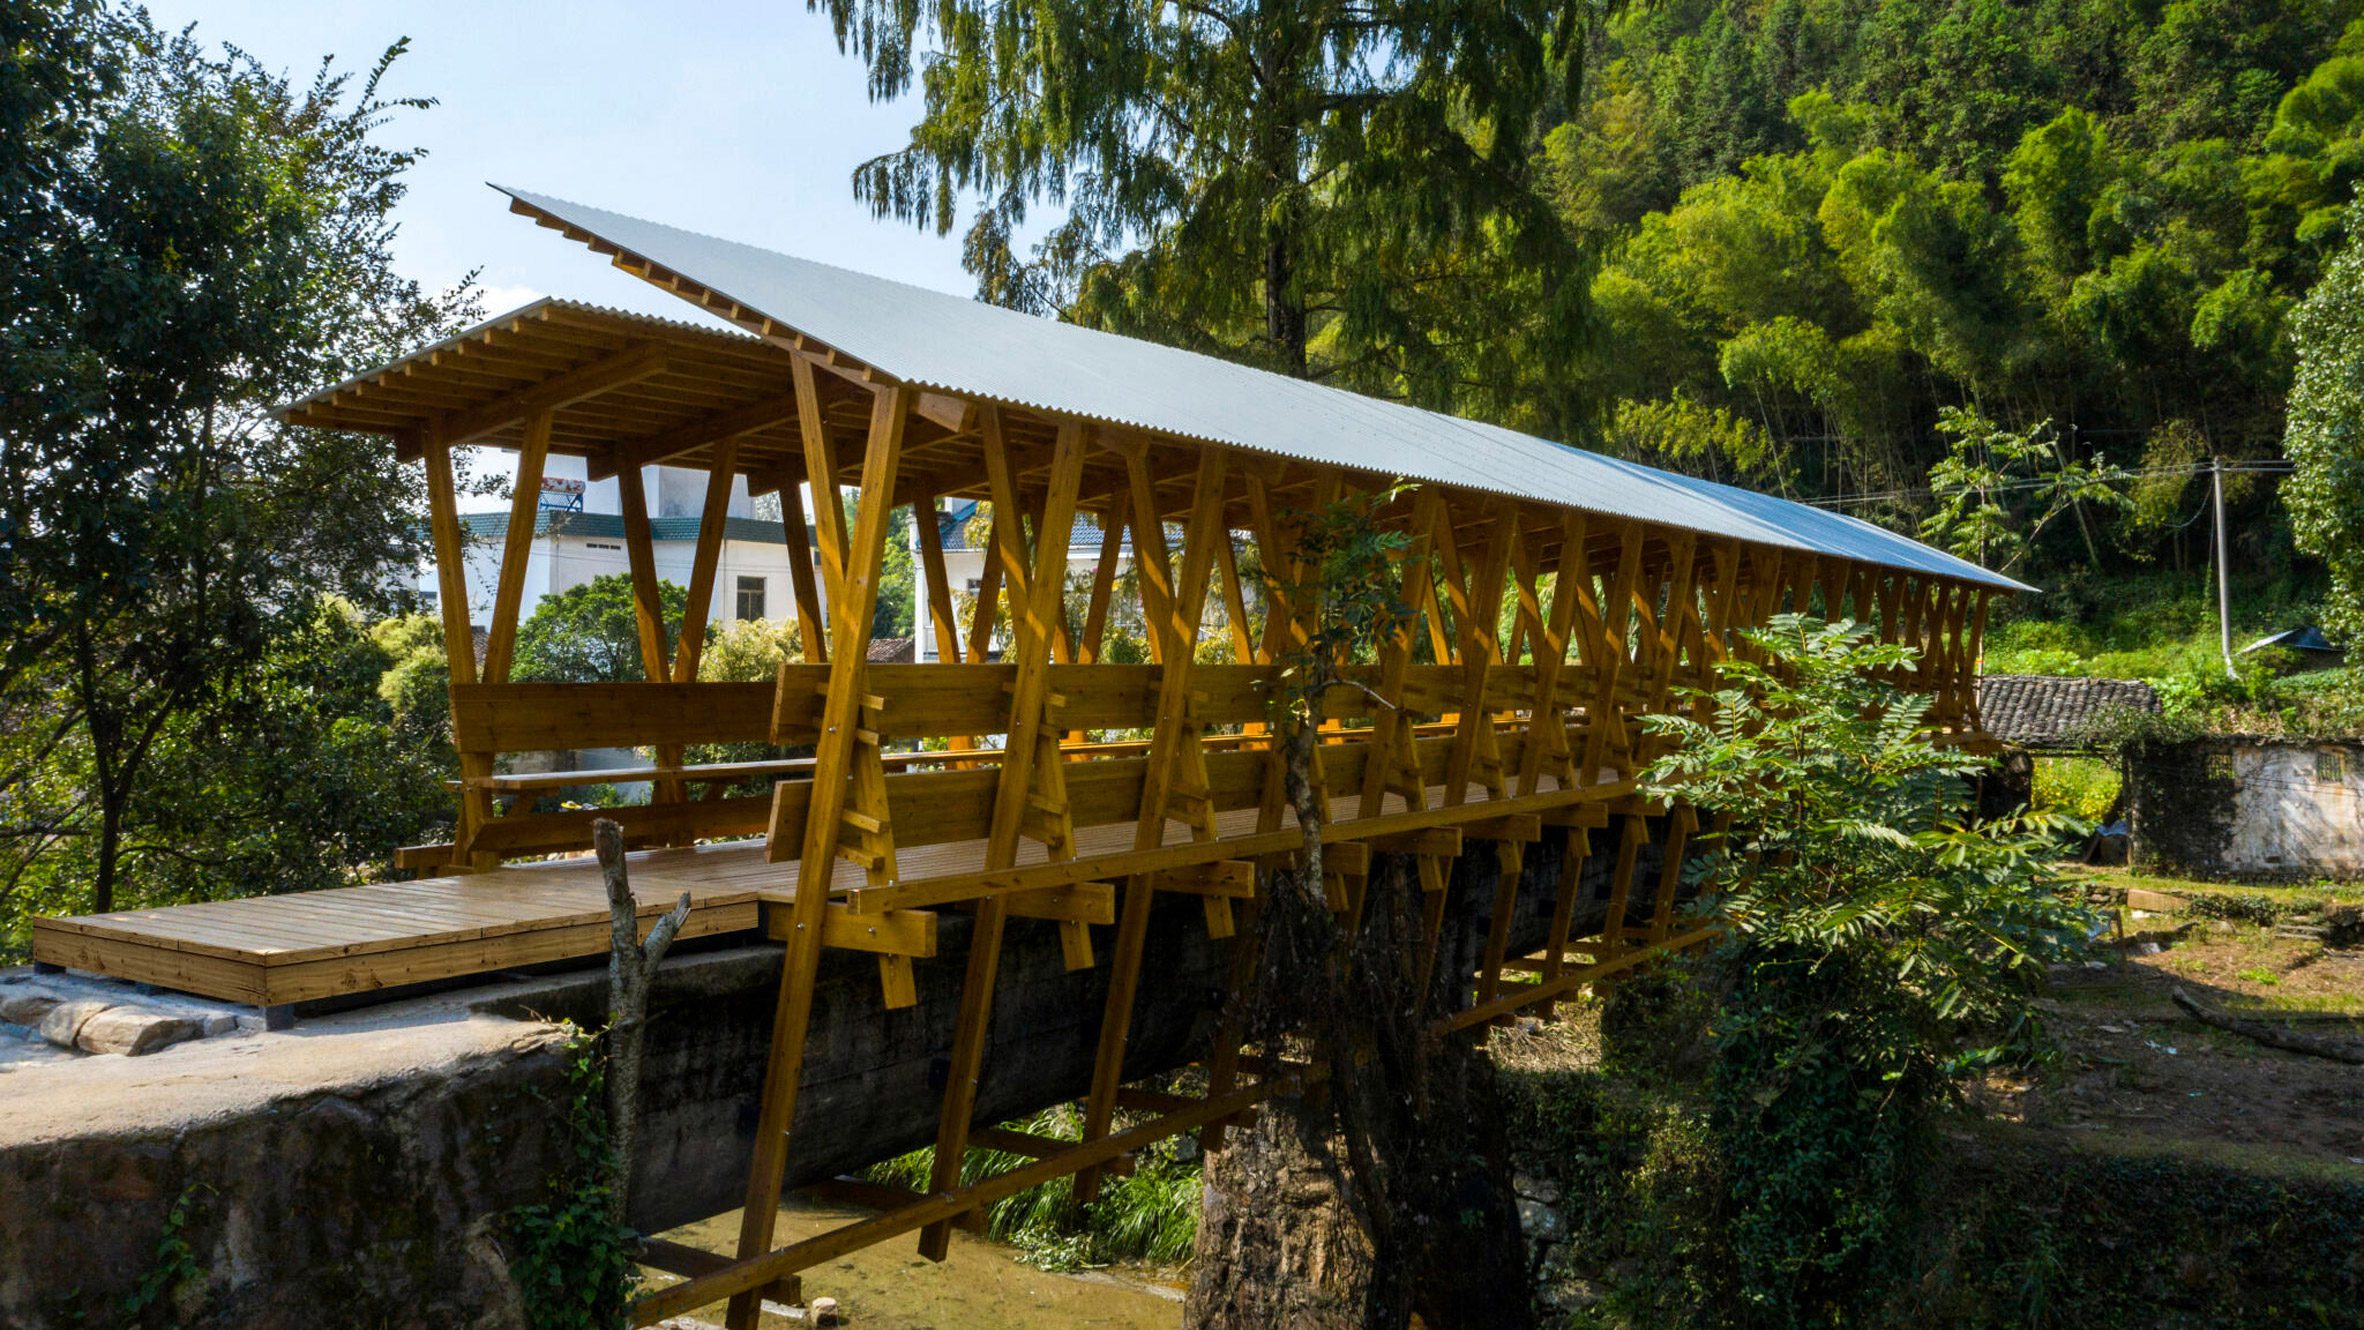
[[1174, 604], [1027, 772], [853, 597], [944, 627], [459, 638], [689, 438], [629, 365], [648, 601], [713, 522], [812, 624], [525, 505]]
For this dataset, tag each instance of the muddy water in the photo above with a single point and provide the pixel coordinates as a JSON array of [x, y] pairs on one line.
[[889, 1286]]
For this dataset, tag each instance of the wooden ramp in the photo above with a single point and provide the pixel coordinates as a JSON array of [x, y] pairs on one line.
[[275, 950]]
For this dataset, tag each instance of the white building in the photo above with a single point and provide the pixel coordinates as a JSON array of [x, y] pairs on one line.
[[964, 565], [579, 535]]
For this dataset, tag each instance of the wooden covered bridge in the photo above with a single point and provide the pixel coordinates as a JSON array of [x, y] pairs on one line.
[[1560, 595]]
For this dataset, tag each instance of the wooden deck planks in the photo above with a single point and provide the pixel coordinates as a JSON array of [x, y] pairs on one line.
[[298, 947], [292, 948]]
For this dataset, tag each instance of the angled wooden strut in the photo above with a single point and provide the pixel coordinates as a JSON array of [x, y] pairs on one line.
[[1605, 729], [852, 561], [1030, 796], [459, 638], [1175, 777]]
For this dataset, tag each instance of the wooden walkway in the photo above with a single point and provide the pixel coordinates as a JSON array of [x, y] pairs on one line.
[[277, 950]]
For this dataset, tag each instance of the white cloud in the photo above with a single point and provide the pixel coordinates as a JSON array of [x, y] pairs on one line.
[[500, 299]]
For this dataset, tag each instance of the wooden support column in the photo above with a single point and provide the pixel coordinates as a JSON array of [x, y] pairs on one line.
[[1112, 540], [1547, 725], [1630, 840], [1174, 604], [648, 609], [1563, 909], [648, 600], [713, 520], [1605, 714], [1477, 607], [853, 597], [942, 623], [1681, 821], [812, 625], [459, 639], [517, 546], [1030, 790], [1394, 766]]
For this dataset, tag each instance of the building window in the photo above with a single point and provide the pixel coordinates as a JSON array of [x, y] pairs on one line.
[[750, 597], [2329, 765]]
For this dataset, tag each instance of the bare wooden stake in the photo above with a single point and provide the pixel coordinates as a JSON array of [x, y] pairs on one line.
[[631, 963]]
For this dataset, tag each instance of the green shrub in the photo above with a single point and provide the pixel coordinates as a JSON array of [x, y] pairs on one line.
[[2084, 788], [1875, 948]]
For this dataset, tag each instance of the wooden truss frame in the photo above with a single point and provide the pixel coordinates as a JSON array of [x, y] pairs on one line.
[[1053, 783]]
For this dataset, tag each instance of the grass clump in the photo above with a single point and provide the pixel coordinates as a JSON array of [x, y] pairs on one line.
[[1150, 1215]]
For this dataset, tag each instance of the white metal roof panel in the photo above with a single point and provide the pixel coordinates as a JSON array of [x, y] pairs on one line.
[[928, 338]]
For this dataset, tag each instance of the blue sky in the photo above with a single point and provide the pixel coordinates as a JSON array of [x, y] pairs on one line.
[[738, 119]]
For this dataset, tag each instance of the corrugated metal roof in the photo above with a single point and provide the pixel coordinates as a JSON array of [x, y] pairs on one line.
[[525, 313], [930, 339]]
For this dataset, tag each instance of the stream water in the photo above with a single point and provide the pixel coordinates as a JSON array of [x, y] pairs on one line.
[[981, 1287]]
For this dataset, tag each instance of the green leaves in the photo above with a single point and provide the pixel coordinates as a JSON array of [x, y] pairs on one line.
[[2326, 436]]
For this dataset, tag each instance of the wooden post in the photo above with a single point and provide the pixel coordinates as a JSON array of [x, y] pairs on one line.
[[1605, 714], [942, 625], [1112, 537], [853, 596], [1393, 766], [1174, 607], [648, 601], [1027, 772], [812, 625], [713, 521], [517, 545], [1563, 909], [459, 645]]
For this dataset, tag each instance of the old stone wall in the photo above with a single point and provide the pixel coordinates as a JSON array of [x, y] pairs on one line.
[[2243, 807]]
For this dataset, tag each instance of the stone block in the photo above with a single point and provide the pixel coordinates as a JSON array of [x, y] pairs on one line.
[[27, 1008], [65, 1021], [132, 1031]]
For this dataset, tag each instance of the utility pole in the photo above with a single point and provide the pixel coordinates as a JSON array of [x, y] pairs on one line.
[[2224, 601]]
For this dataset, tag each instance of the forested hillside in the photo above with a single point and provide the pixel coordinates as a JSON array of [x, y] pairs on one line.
[[2020, 268], [1829, 220]]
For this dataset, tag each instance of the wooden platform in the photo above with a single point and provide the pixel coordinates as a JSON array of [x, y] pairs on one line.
[[274, 950]]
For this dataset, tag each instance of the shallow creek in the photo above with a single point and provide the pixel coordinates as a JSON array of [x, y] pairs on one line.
[[981, 1287]]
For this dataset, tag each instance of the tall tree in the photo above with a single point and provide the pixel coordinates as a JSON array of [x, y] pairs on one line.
[[1286, 183], [2326, 440], [199, 239]]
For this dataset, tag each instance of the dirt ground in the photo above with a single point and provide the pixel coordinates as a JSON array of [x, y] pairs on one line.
[[2137, 1067]]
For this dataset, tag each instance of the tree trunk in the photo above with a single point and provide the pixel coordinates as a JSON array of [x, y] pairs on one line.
[[1284, 309], [110, 851], [1385, 1191]]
